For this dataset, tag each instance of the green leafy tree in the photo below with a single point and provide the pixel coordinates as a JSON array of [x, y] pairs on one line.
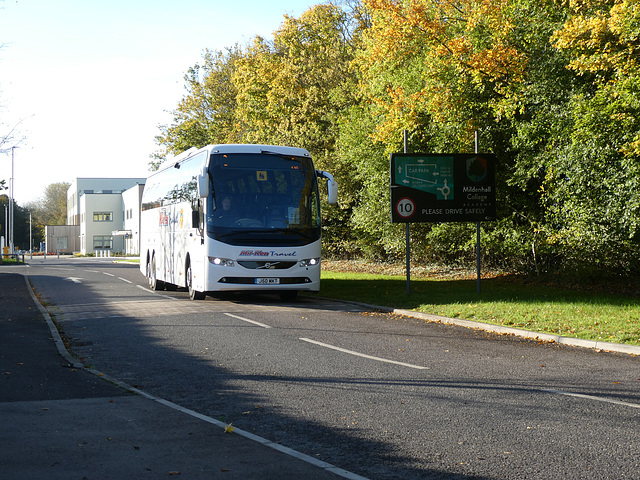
[[50, 209], [20, 224], [295, 90], [292, 90], [206, 114], [594, 185]]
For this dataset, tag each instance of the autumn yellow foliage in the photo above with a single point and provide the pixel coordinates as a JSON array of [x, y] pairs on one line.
[[456, 47]]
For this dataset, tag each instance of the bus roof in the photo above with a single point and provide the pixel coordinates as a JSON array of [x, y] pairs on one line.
[[252, 148], [235, 148]]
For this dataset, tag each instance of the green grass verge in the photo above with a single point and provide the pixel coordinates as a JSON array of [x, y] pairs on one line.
[[504, 301], [11, 261]]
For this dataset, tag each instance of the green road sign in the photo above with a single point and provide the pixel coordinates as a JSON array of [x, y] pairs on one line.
[[442, 187]]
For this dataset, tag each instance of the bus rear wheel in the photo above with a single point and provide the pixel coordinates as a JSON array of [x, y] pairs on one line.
[[193, 293]]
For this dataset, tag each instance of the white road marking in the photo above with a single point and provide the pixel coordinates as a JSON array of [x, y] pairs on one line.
[[125, 280], [148, 290], [109, 274], [74, 279], [247, 320], [363, 355], [592, 397]]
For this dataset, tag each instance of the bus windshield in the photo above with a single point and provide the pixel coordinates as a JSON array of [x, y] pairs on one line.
[[263, 199]]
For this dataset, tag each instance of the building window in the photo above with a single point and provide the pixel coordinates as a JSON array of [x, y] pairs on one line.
[[102, 241], [103, 216]]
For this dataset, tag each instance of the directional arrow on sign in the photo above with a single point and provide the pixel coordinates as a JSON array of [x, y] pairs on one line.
[[74, 279]]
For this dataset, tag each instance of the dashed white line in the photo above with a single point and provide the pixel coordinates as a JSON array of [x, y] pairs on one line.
[[125, 280], [109, 274], [363, 355], [592, 397], [247, 320]]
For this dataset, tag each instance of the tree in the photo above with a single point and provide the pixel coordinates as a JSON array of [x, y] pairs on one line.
[[8, 142], [291, 91], [594, 186], [50, 209], [206, 114], [20, 223], [451, 64]]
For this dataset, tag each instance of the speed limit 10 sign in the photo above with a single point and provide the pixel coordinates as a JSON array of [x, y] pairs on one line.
[[405, 207]]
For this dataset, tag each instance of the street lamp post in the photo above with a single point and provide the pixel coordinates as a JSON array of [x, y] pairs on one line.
[[11, 217], [6, 228]]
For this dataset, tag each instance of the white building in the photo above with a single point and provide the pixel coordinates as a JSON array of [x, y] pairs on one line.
[[131, 201], [108, 213]]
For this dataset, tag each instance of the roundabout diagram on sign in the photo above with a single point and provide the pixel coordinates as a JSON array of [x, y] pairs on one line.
[[433, 175]]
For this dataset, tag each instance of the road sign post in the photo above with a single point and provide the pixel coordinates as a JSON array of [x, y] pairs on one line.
[[407, 207]]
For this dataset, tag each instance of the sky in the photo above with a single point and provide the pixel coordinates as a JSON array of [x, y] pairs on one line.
[[87, 82]]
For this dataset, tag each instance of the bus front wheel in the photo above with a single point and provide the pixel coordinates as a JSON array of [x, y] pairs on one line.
[[193, 293]]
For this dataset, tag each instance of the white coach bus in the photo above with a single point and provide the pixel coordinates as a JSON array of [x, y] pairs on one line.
[[234, 217]]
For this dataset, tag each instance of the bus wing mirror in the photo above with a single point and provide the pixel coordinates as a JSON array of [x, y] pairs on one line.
[[332, 190], [203, 184], [332, 187]]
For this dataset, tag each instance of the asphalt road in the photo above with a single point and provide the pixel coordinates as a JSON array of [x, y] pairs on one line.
[[384, 396]]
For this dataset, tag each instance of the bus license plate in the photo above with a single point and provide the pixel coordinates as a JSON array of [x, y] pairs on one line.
[[267, 281]]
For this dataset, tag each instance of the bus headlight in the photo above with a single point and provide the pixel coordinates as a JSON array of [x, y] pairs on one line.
[[309, 262], [223, 262]]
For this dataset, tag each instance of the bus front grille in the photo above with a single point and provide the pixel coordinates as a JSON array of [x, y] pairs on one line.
[[272, 265]]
